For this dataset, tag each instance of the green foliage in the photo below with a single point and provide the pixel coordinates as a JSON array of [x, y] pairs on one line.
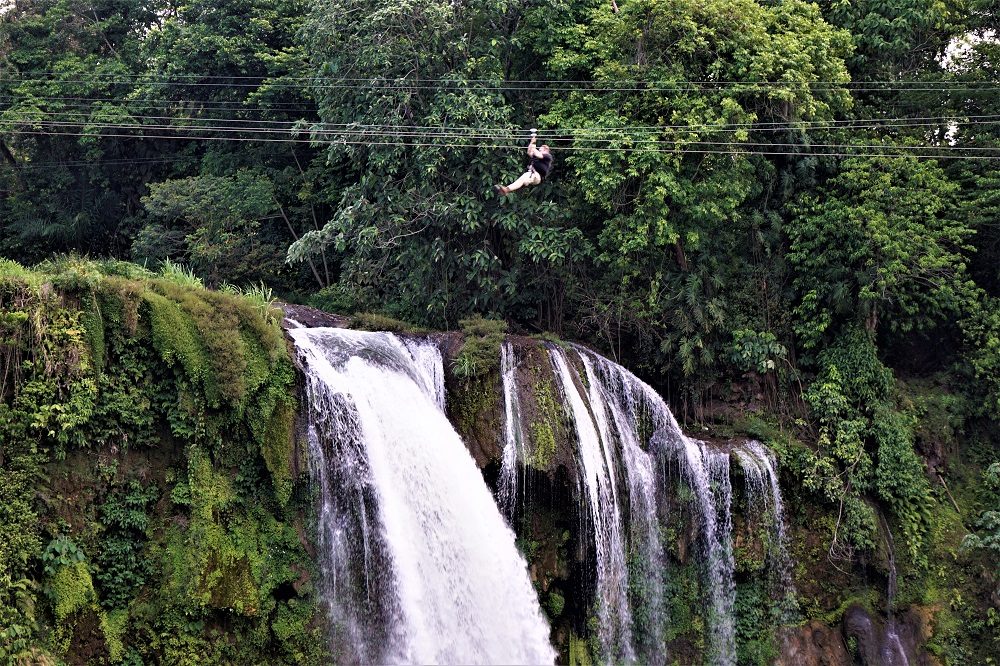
[[122, 566], [542, 432], [480, 353], [987, 524], [411, 226], [866, 443], [890, 38], [259, 294], [370, 321], [981, 329], [113, 625], [342, 299], [61, 552], [70, 588], [164, 389], [722, 205], [180, 274], [755, 640], [213, 221], [555, 603], [683, 594], [756, 352], [277, 448], [879, 242]]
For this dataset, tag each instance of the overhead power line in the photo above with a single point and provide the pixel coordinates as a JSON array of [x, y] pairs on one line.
[[512, 85]]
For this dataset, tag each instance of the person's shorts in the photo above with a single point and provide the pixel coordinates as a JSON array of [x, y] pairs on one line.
[[534, 178]]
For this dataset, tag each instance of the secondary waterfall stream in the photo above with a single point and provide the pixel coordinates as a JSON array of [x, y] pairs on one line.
[[597, 469], [514, 435], [614, 414], [419, 565]]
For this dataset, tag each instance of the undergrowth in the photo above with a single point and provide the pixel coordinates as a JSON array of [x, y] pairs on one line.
[[147, 491]]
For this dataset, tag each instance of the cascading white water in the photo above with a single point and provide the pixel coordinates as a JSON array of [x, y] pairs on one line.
[[514, 434], [720, 555], [418, 563], [891, 651], [610, 391], [601, 493], [634, 405], [764, 492], [427, 357]]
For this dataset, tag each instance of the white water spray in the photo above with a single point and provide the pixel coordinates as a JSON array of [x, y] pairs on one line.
[[761, 476], [635, 406], [427, 358], [720, 556], [611, 391]]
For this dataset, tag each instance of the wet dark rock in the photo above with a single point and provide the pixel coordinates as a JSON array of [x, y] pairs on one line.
[[894, 642], [859, 625], [813, 644], [310, 317]]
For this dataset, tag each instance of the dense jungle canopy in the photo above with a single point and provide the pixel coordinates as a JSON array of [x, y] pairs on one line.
[[776, 208]]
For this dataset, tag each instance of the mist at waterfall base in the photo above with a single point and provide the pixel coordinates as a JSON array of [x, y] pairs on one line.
[[418, 563]]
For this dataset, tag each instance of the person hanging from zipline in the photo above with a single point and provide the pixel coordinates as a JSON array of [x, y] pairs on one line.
[[538, 167]]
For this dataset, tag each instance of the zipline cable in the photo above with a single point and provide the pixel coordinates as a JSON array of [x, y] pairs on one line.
[[339, 136], [369, 85], [223, 105], [317, 77], [675, 151], [476, 132]]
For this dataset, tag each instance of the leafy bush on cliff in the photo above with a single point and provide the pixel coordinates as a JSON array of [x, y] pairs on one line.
[[122, 392]]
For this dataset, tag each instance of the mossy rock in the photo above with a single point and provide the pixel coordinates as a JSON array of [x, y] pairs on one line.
[[475, 407]]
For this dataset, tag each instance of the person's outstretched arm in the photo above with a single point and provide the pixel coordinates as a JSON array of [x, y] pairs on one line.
[[532, 151]]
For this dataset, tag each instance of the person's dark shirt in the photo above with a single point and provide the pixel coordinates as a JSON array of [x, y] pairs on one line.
[[542, 165]]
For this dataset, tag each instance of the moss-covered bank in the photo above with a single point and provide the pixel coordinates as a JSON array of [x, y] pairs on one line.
[[151, 506]]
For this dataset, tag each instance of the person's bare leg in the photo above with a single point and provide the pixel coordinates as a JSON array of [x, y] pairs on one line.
[[527, 178]]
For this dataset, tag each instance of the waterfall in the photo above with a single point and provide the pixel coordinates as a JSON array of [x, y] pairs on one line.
[[610, 391], [666, 440], [720, 557], [610, 417], [514, 435], [764, 492], [427, 358], [891, 652], [418, 565], [600, 487]]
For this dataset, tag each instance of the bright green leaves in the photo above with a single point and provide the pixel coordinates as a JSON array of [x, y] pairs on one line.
[[68, 581], [879, 242], [675, 203], [866, 443], [756, 352], [893, 37]]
